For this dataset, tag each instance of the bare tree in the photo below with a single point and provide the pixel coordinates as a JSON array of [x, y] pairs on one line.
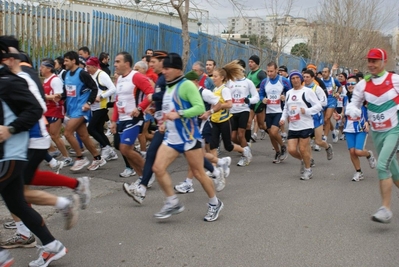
[[183, 7], [346, 29]]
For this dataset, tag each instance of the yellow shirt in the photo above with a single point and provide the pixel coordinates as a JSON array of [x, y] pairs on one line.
[[223, 114]]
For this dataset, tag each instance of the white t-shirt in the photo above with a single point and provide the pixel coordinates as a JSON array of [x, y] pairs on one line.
[[241, 89], [209, 97]]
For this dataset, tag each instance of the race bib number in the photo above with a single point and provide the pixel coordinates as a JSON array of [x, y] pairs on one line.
[[329, 90], [294, 114], [340, 102], [167, 107], [71, 90], [273, 100], [121, 106], [237, 98], [380, 122]]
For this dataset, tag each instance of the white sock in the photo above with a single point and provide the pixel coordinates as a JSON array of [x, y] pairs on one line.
[[22, 229], [189, 181], [51, 245], [62, 202], [216, 172], [53, 163], [213, 201], [172, 200]]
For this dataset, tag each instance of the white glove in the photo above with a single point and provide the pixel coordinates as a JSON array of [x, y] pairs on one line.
[[352, 111]]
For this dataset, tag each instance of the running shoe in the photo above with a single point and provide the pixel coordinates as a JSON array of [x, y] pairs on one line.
[[342, 137], [330, 152], [97, 164], [6, 260], [302, 169], [254, 136], [277, 158], [10, 225], [383, 215], [357, 177], [262, 134], [226, 166], [312, 163], [138, 195], [80, 164], [247, 154], [168, 210], [213, 211], [151, 181], [111, 156], [316, 147], [58, 166], [184, 188], [128, 189], [220, 181], [284, 137], [335, 136], [83, 190], [307, 174], [55, 153], [372, 160], [19, 241], [284, 153], [71, 212], [67, 161], [46, 255], [242, 162], [127, 172]]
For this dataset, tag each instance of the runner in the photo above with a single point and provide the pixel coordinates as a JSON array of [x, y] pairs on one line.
[[132, 88], [356, 131], [301, 103], [53, 89], [272, 93], [318, 120], [20, 111], [81, 92], [99, 110], [380, 90], [181, 104]]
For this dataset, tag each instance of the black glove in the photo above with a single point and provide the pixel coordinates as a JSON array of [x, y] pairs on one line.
[[246, 100]]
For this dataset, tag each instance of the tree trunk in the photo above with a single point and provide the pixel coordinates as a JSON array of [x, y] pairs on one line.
[[183, 11]]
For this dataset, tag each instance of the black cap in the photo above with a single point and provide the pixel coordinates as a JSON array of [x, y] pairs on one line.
[[173, 60], [255, 59], [283, 68]]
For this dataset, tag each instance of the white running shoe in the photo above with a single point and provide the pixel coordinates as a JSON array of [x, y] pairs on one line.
[[97, 164], [220, 181], [307, 174], [226, 166], [242, 162], [372, 160], [47, 255], [184, 188], [357, 177], [316, 148], [83, 190], [383, 215], [58, 166], [247, 154], [335, 136], [112, 155], [151, 181], [262, 134], [127, 172], [80, 164]]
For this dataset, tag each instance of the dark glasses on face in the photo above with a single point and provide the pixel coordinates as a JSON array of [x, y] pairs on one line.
[[351, 83]]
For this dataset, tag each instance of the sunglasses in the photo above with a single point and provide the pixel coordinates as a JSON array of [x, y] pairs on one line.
[[351, 83]]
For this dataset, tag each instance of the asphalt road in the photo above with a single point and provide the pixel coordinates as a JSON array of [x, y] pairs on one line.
[[271, 218]]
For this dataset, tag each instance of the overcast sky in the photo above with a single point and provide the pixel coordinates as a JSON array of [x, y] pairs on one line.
[[220, 10]]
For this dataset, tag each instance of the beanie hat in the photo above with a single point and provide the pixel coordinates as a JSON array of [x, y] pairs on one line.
[[312, 66], [296, 73], [255, 59], [93, 61], [191, 75], [174, 61], [283, 68]]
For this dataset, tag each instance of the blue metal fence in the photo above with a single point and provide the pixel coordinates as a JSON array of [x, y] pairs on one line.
[[50, 32]]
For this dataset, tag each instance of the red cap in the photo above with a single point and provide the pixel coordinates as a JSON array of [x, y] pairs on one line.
[[93, 61], [377, 53]]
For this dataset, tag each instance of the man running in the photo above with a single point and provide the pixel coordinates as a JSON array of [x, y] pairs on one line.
[[381, 91], [181, 105]]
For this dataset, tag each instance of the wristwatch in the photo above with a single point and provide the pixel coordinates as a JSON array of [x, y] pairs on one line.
[[181, 112], [139, 109], [11, 129], [88, 103]]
